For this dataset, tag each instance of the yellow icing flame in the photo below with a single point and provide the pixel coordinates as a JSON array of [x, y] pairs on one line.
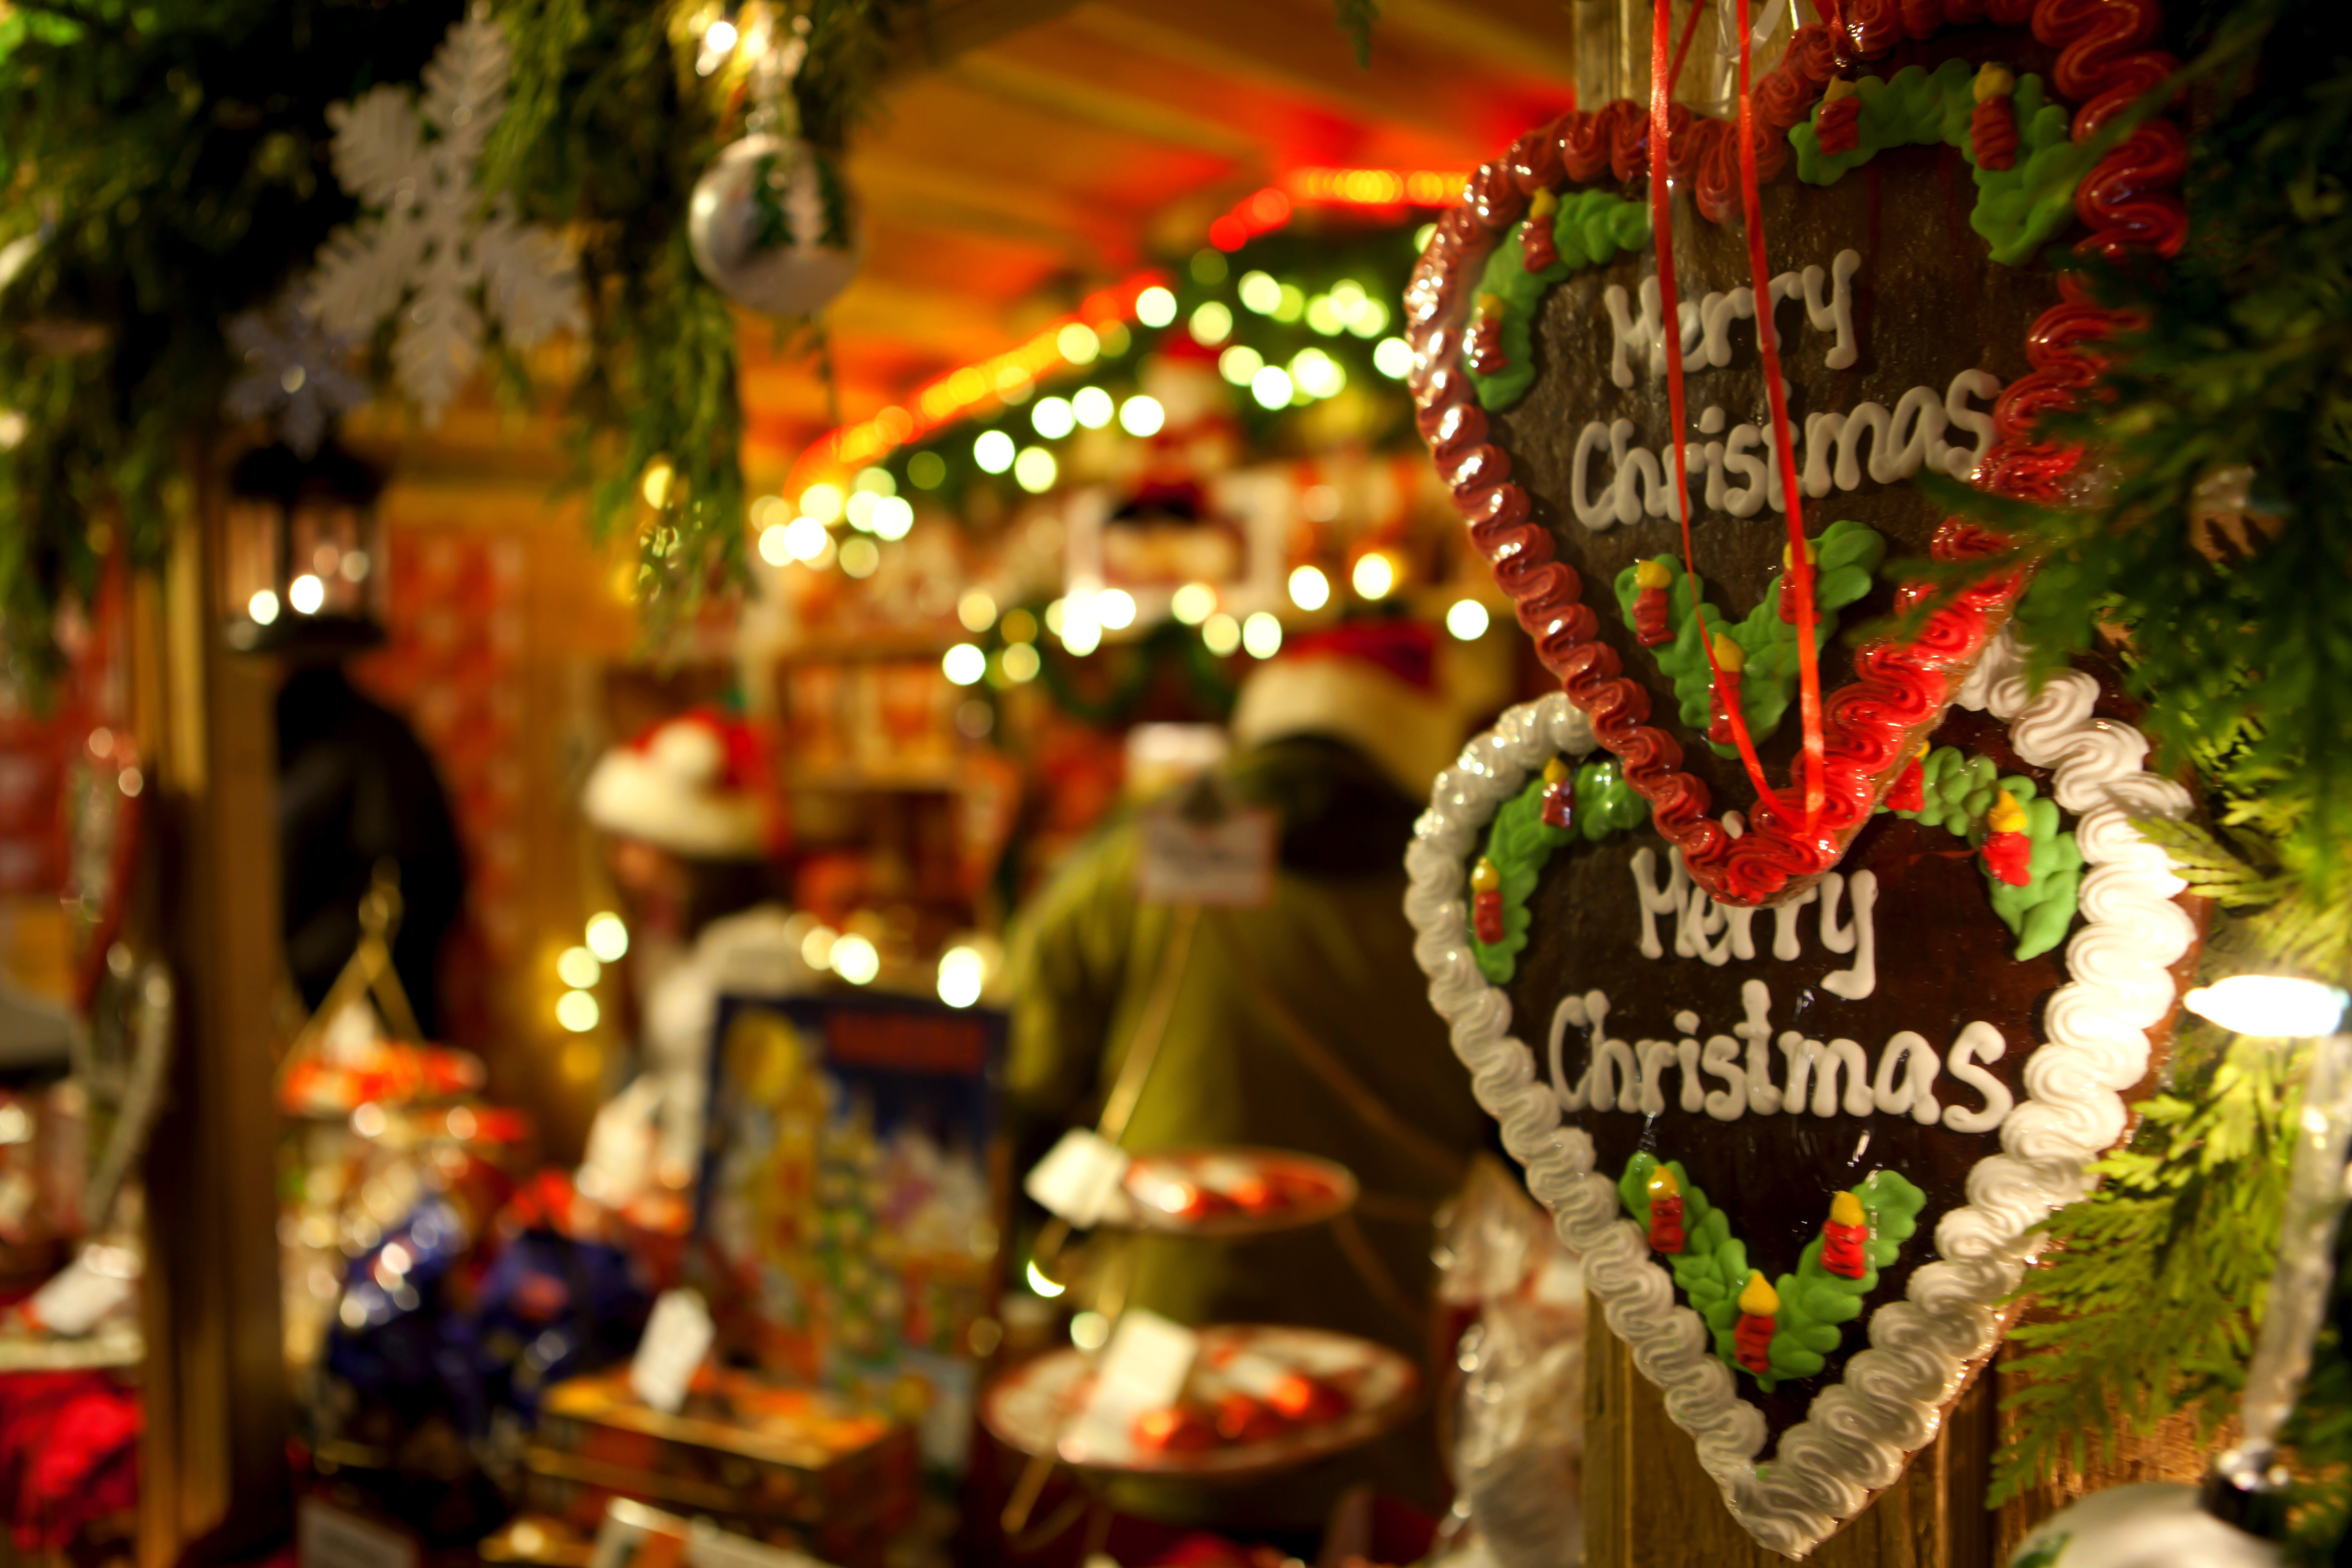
[[1663, 1186], [1544, 205], [1729, 656], [1652, 574], [1788, 554], [1838, 87], [1490, 306], [1756, 1298], [1845, 1209], [1483, 878], [1556, 771], [1994, 81], [2006, 815]]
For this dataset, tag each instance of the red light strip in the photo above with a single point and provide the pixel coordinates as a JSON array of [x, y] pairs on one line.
[[959, 392]]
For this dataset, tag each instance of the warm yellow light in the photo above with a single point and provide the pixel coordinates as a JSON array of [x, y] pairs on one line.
[[306, 594], [1467, 620], [1034, 470], [1393, 357], [1213, 324], [962, 972], [859, 557], [1309, 589], [877, 482], [1262, 636], [1039, 1283], [1155, 307], [1271, 387], [893, 517], [822, 502], [1141, 415], [1193, 602], [579, 968], [1261, 293], [1374, 575], [964, 663], [2270, 1007], [1020, 663], [608, 937], [775, 548], [577, 1011], [1240, 364], [977, 611], [1115, 608], [993, 451], [1079, 344], [655, 486], [804, 538], [856, 961], [1053, 419], [816, 947], [1222, 633], [1092, 407]]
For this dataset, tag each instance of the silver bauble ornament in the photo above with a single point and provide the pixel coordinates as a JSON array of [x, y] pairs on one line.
[[2150, 1525], [758, 222]]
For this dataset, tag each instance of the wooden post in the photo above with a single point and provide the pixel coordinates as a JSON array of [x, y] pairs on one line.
[[215, 1479]]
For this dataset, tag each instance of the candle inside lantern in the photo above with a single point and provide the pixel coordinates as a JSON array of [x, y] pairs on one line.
[[1730, 658], [1665, 1211], [1486, 902], [1751, 1338], [1652, 609], [1843, 1237], [2008, 848], [1558, 809]]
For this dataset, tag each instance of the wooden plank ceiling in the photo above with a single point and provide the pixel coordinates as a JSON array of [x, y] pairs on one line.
[[1043, 149]]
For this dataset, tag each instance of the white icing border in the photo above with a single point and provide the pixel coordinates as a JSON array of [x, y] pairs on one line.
[[1858, 1434]]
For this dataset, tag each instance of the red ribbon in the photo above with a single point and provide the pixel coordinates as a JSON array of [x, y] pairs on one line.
[[1671, 324], [1808, 665]]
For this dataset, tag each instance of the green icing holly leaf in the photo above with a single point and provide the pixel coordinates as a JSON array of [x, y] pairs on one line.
[[2017, 210], [1589, 230], [1847, 554], [1712, 1269], [2042, 1554], [1605, 803], [1518, 842], [1815, 1304], [1956, 794]]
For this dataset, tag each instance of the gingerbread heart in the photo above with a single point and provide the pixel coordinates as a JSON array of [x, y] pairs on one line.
[[1803, 1151], [1914, 167]]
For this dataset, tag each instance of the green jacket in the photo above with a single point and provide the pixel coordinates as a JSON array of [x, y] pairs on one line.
[[1305, 1024]]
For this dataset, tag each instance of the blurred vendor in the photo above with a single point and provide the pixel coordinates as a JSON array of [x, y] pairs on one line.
[[1301, 1023], [691, 838]]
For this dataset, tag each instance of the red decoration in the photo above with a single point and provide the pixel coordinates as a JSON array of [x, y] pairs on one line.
[[1751, 1337], [1308, 1400], [2127, 202], [1486, 902], [1723, 716], [1179, 1429], [1483, 350], [1992, 127], [1839, 125], [2007, 847], [1558, 805], [1652, 607], [1910, 791], [1843, 1234], [1538, 244], [1242, 1419], [1666, 1212]]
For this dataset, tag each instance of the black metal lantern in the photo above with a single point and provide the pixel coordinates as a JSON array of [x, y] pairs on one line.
[[303, 562]]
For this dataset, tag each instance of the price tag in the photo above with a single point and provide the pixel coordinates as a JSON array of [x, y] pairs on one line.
[[1145, 1368], [1080, 1180], [1225, 861], [678, 1336]]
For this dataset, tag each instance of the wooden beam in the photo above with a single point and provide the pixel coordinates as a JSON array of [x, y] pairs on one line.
[[1001, 75]]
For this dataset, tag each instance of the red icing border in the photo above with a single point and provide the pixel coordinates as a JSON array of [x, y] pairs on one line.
[[1873, 724]]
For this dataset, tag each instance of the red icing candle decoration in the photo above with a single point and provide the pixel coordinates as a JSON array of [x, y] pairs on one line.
[[1666, 1212], [1910, 791], [1652, 607], [1839, 124], [1843, 1237], [1992, 127], [1789, 573], [1730, 658], [2008, 848], [1482, 346], [1558, 809], [1486, 902], [1751, 1337], [1539, 244]]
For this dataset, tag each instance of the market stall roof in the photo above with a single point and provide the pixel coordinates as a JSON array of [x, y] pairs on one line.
[[1042, 150]]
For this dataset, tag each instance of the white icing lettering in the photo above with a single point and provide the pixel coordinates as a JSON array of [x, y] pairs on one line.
[[1595, 514], [1800, 1054], [1978, 1042], [1843, 1058], [1721, 1058], [1740, 458], [1969, 383], [1836, 314], [1655, 900], [1786, 943], [1861, 939], [1569, 1014], [1631, 335], [1640, 485], [1910, 1055], [1763, 1098], [1916, 435]]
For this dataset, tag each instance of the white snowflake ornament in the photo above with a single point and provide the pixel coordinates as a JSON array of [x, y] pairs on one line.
[[433, 242], [295, 374]]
